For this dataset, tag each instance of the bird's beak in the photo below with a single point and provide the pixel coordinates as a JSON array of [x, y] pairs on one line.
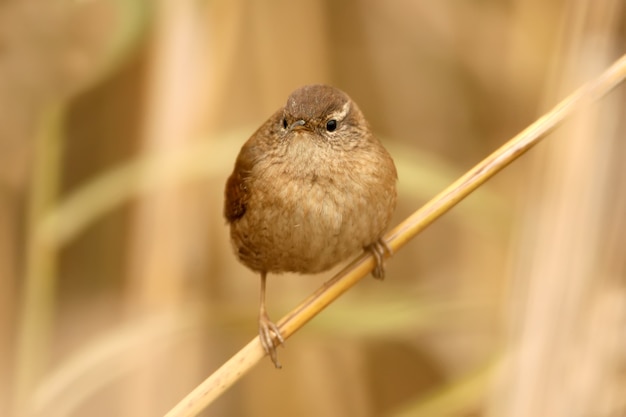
[[296, 125]]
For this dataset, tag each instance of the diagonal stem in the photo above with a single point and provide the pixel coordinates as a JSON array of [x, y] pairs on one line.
[[247, 357]]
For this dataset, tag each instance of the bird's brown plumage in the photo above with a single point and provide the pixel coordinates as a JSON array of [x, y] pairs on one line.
[[307, 193]]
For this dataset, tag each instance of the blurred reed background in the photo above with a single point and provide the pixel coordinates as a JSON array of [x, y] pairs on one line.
[[120, 121]]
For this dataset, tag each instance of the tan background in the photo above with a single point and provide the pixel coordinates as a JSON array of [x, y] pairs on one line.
[[120, 121]]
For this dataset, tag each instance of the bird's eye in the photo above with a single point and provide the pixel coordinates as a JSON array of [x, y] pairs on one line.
[[284, 123], [331, 125]]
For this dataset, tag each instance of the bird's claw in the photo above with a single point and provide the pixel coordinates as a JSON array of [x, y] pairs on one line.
[[266, 329], [378, 250]]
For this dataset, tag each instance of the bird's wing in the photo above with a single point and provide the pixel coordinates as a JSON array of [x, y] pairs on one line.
[[237, 193]]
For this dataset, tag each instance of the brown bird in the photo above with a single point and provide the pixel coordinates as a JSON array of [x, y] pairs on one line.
[[310, 188]]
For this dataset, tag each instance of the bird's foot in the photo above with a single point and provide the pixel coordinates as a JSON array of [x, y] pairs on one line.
[[267, 328], [378, 250]]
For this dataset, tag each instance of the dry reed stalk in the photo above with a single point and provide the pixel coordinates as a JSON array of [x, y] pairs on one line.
[[242, 362], [565, 353], [163, 224]]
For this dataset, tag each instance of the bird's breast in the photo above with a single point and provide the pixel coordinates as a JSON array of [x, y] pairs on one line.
[[309, 209]]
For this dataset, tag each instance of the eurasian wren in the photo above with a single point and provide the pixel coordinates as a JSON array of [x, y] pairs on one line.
[[310, 188]]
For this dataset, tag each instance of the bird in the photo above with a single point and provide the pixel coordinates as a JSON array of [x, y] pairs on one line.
[[310, 188]]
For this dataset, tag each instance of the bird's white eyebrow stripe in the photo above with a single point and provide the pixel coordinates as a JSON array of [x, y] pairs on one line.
[[341, 114]]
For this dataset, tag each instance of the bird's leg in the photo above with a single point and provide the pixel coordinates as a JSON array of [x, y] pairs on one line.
[[267, 327], [378, 249]]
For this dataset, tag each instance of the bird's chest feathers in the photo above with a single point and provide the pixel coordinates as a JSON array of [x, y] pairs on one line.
[[305, 188], [305, 160], [304, 164]]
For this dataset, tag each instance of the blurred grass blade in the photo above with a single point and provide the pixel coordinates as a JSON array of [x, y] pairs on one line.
[[38, 301], [456, 398]]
